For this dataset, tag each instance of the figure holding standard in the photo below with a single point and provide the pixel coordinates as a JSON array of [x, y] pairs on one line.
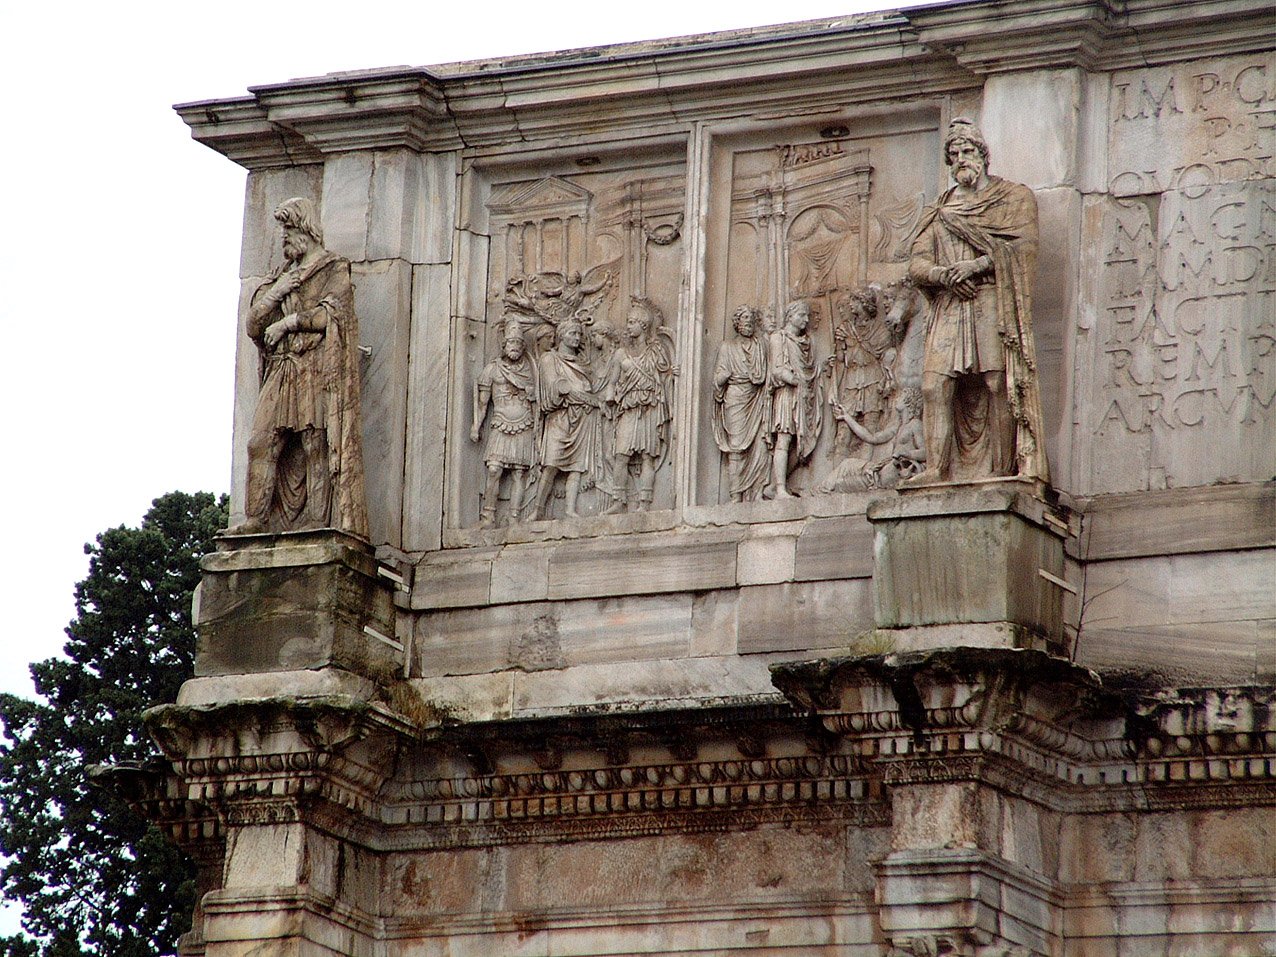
[[305, 451], [975, 256]]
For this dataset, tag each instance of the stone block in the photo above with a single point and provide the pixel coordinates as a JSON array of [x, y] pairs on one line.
[[1032, 123], [1055, 299], [766, 560], [839, 547], [1191, 124], [967, 554], [453, 582], [382, 300], [1173, 377], [473, 640], [520, 573], [325, 683], [714, 623], [427, 407], [486, 697], [1177, 521], [412, 206], [803, 616], [632, 565], [347, 187], [247, 387], [470, 271], [636, 628], [1183, 589], [299, 600], [263, 855]]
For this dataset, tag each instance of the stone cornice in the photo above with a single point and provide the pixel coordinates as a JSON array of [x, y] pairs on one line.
[[1091, 34], [633, 89]]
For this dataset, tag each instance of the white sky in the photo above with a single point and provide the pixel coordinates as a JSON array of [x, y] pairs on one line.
[[119, 240]]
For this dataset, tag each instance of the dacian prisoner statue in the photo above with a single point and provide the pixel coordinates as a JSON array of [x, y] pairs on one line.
[[975, 256], [305, 453]]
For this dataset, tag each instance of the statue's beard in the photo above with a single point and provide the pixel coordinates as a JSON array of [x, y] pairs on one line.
[[294, 251], [966, 175]]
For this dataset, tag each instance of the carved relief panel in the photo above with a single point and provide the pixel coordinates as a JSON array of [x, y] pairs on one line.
[[577, 335], [807, 322]]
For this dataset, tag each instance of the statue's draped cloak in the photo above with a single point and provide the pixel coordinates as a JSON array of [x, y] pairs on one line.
[[1001, 223], [311, 380]]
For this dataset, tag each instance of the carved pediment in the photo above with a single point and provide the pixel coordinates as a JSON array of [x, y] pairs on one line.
[[549, 198]]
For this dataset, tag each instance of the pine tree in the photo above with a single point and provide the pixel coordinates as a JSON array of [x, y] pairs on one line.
[[94, 878]]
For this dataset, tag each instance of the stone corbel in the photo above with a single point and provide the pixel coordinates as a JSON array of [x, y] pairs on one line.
[[957, 706]]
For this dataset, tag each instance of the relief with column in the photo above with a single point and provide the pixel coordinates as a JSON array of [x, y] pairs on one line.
[[815, 383], [573, 397]]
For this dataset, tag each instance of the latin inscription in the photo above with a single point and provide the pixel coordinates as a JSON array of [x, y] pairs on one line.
[[1187, 324], [1193, 126]]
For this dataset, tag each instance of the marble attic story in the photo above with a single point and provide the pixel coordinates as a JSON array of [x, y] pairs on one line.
[[805, 491]]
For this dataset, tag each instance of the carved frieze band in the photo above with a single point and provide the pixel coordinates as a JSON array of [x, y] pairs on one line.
[[616, 801]]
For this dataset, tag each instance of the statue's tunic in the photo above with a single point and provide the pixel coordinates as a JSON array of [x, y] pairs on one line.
[[637, 384], [569, 439], [310, 380], [993, 331], [742, 409], [511, 438], [795, 409]]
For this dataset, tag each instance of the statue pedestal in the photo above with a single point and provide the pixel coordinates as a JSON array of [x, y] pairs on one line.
[[969, 564], [295, 601]]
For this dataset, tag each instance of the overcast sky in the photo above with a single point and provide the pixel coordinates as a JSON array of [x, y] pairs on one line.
[[120, 240]]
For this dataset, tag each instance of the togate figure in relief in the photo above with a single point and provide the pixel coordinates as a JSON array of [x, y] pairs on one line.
[[742, 406], [636, 385], [508, 385], [570, 406], [305, 458], [975, 256], [796, 401]]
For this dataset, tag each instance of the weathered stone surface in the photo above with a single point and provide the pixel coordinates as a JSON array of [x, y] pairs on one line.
[[970, 555], [412, 207], [319, 591], [347, 196], [427, 408], [835, 548], [803, 616], [383, 296], [688, 561], [657, 683]]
